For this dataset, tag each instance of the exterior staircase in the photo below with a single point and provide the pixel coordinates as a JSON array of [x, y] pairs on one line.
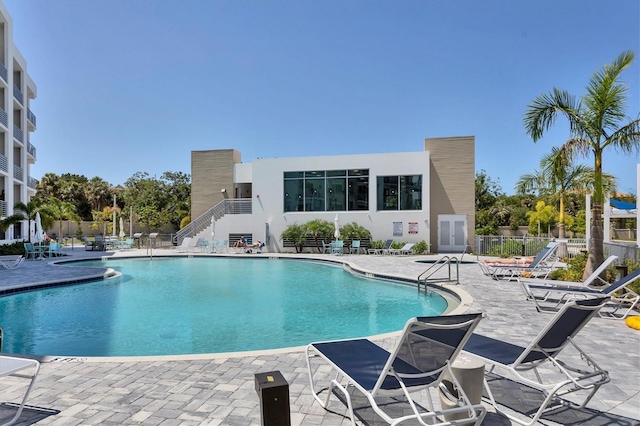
[[224, 207]]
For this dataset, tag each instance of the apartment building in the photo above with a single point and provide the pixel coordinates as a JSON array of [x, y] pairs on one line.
[[17, 122], [406, 196]]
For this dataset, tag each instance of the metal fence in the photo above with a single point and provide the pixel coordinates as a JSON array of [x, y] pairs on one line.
[[501, 245]]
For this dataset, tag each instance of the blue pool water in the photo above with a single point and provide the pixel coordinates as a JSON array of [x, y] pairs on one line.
[[205, 305]]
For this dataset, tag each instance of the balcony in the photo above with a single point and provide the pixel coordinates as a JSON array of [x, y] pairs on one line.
[[31, 150], [18, 133], [32, 182], [18, 173], [18, 95], [3, 72], [31, 117], [3, 208], [4, 163], [4, 118]]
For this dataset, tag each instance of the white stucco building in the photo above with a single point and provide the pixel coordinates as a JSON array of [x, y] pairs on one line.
[[17, 123], [406, 196]]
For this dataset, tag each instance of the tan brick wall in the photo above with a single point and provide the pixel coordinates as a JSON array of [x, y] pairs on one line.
[[211, 171], [452, 178]]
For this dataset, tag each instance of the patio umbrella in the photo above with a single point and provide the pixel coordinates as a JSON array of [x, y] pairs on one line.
[[39, 235], [336, 225], [213, 226], [122, 234]]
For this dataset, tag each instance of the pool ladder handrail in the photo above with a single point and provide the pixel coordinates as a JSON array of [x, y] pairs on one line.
[[440, 263]]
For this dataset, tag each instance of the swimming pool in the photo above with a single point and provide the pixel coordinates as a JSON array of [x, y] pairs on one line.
[[169, 306]]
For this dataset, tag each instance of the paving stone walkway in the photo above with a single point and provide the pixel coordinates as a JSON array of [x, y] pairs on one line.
[[219, 389]]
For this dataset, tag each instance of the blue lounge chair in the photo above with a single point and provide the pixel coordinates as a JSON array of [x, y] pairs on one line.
[[420, 360], [543, 352], [622, 297]]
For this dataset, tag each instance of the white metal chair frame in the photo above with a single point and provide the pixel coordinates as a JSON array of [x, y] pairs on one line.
[[401, 371], [15, 367], [543, 351]]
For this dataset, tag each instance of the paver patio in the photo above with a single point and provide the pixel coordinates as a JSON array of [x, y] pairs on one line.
[[219, 389]]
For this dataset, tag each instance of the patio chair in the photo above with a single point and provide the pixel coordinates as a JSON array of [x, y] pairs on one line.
[[11, 261], [384, 250], [337, 248], [593, 279], [54, 249], [541, 265], [585, 375], [355, 247], [622, 298], [30, 251], [421, 358], [326, 248], [405, 250], [184, 246], [19, 368]]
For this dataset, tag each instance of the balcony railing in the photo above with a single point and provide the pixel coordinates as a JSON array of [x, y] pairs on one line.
[[32, 182], [3, 208], [3, 72], [18, 133], [4, 163], [18, 95], [4, 118], [31, 150], [18, 173], [31, 117]]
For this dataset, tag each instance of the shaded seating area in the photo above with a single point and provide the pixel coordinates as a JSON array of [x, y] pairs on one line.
[[420, 360], [622, 300], [538, 364]]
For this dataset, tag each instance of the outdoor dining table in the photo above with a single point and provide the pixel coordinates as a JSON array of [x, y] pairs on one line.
[[40, 250]]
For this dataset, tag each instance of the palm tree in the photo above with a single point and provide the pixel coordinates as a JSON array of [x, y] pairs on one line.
[[60, 210], [557, 177], [595, 123], [22, 212]]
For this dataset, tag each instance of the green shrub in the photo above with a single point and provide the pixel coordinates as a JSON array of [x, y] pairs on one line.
[[421, 247], [378, 244], [10, 249], [575, 270]]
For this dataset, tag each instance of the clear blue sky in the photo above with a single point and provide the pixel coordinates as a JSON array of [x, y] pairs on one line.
[[128, 86]]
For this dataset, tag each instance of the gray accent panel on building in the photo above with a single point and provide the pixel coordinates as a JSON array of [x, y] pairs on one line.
[[452, 176], [211, 171]]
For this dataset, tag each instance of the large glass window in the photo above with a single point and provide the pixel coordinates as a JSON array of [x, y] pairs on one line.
[[293, 195], [399, 192], [330, 190]]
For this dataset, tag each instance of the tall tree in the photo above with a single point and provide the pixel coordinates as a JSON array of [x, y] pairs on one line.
[[556, 178], [597, 121], [60, 210]]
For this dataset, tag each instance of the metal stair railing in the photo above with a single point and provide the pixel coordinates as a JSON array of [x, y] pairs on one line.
[[224, 207], [440, 263]]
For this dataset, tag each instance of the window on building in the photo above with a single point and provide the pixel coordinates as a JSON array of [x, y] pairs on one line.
[[326, 190], [399, 192]]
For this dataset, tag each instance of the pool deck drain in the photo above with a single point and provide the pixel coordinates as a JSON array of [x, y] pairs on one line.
[[218, 389]]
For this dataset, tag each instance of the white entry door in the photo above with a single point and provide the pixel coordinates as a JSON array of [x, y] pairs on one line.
[[452, 233]]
